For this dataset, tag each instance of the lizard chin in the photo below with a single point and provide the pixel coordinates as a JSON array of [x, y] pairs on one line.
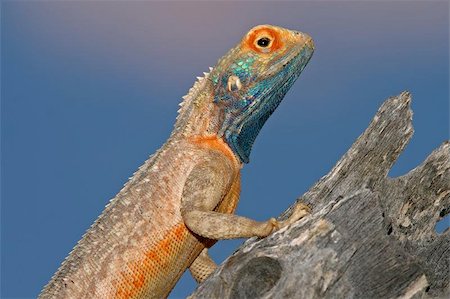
[[241, 135]]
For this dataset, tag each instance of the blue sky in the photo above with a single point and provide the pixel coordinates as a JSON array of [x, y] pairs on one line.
[[90, 90]]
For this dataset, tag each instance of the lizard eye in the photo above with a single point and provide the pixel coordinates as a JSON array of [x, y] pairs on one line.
[[263, 42]]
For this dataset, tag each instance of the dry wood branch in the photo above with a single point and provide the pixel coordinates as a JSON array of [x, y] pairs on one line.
[[368, 236]]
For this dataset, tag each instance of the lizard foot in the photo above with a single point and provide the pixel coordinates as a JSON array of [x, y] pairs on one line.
[[300, 210]]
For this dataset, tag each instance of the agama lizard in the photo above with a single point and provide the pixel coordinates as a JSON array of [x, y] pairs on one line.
[[182, 199]]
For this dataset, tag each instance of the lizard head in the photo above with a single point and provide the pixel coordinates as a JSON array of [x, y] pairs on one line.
[[252, 78]]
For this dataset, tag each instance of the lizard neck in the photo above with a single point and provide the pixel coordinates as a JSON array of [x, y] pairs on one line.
[[198, 115]]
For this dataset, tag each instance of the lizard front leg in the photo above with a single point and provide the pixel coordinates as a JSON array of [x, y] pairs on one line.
[[205, 186], [218, 226]]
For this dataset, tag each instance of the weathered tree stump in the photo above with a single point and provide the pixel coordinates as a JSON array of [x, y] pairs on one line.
[[368, 236]]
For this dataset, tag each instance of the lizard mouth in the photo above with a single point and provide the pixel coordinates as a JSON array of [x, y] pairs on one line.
[[242, 134]]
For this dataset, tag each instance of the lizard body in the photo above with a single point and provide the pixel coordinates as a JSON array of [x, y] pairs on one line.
[[182, 199]]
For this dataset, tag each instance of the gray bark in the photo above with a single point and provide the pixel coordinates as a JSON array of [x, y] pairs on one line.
[[368, 236]]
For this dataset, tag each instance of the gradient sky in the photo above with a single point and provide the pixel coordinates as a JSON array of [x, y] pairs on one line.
[[90, 90]]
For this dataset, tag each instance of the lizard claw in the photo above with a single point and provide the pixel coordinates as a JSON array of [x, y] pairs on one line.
[[302, 207], [275, 224]]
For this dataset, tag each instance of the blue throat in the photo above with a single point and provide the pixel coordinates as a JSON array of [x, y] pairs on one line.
[[241, 142]]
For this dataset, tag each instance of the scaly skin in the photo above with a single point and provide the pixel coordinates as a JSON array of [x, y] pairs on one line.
[[181, 200]]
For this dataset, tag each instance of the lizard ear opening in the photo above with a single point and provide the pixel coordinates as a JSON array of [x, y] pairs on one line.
[[234, 83]]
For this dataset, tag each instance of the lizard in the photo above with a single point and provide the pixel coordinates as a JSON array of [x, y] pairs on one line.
[[182, 199]]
